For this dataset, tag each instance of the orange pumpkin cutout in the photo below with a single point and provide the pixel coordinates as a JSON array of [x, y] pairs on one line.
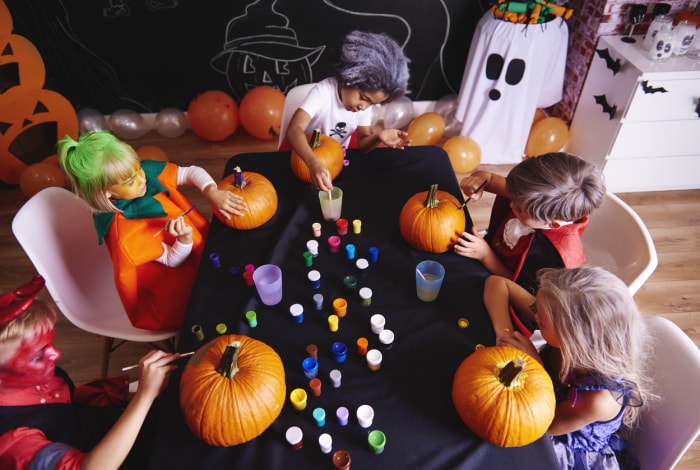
[[21, 68], [30, 128], [5, 20]]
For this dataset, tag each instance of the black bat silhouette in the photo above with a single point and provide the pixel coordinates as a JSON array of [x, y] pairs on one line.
[[603, 101], [650, 89], [612, 64]]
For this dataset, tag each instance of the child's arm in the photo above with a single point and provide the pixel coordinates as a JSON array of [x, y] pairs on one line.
[[499, 294], [176, 254], [591, 406], [225, 201], [471, 245], [320, 175], [495, 184], [392, 138]]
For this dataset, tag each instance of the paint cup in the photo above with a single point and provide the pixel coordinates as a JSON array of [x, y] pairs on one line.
[[365, 296], [252, 318], [308, 259], [315, 387], [325, 443], [342, 414], [340, 307], [350, 283], [318, 301], [376, 440], [356, 226], [298, 399], [215, 260], [374, 359], [373, 254], [361, 265], [335, 376], [341, 460], [319, 415], [386, 338], [310, 366], [342, 226], [314, 278], [333, 322], [429, 276], [198, 332], [312, 246], [268, 282], [297, 313], [294, 436], [340, 351], [333, 243], [350, 251], [331, 203], [362, 346], [365, 416], [312, 351], [377, 322], [316, 229]]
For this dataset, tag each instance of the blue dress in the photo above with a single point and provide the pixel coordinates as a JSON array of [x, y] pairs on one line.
[[594, 446]]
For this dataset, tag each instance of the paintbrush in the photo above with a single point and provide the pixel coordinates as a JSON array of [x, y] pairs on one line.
[[134, 366], [181, 215], [470, 197]]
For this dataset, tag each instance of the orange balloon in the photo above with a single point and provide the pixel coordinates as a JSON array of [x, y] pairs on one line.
[[548, 135], [152, 152], [261, 112], [464, 153], [426, 129], [39, 176], [213, 115], [539, 115]]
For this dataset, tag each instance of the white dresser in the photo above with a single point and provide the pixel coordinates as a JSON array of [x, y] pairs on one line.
[[638, 119]]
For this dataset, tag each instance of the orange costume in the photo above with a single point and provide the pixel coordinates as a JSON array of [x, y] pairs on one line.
[[154, 295]]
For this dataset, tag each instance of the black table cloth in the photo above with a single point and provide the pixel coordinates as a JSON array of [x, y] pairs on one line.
[[411, 393]]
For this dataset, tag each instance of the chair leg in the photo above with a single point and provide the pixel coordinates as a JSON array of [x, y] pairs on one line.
[[106, 351]]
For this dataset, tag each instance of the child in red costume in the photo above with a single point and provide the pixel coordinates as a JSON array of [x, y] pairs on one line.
[[41, 425], [541, 210], [133, 200]]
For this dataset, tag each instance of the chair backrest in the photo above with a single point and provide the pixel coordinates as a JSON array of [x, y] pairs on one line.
[[672, 423], [617, 240], [294, 98], [56, 230]]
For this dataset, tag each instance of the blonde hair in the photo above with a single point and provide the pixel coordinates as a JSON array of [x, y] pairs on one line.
[[599, 326], [94, 163], [40, 318]]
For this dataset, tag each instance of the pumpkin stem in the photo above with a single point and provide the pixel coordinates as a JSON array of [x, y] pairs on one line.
[[238, 181], [228, 366], [315, 140], [431, 201], [511, 371]]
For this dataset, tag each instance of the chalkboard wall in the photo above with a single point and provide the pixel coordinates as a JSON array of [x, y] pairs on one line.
[[146, 55]]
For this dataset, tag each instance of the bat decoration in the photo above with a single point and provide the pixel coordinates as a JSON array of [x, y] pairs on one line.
[[697, 109], [650, 89], [603, 101], [612, 64]]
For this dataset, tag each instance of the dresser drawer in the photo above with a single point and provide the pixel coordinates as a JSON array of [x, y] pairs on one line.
[[652, 173], [652, 139], [664, 100]]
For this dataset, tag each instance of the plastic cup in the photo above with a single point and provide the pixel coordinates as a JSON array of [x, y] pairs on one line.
[[333, 322], [342, 414], [340, 351], [429, 276], [268, 282], [340, 307], [374, 359], [377, 322], [333, 243], [310, 366], [376, 440], [297, 313], [314, 277], [362, 346], [298, 398], [312, 350], [252, 318], [350, 251], [373, 254], [365, 296], [325, 442], [319, 415], [315, 386], [336, 377], [342, 226], [356, 226], [318, 301], [312, 246], [386, 338], [350, 283], [294, 436], [316, 229], [308, 259], [331, 203], [341, 460], [198, 332], [365, 416], [361, 264]]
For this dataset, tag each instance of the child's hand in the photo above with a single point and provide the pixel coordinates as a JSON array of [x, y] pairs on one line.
[[179, 229], [154, 369], [320, 176], [225, 201], [471, 245], [394, 138], [473, 185], [518, 341]]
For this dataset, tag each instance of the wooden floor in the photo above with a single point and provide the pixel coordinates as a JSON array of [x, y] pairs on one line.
[[673, 218]]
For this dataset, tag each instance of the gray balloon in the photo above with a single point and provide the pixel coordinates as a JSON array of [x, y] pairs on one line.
[[444, 105], [91, 120], [399, 113], [171, 122], [128, 124]]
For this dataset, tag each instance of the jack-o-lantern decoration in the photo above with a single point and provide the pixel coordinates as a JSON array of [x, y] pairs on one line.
[[21, 68], [30, 128], [5, 20]]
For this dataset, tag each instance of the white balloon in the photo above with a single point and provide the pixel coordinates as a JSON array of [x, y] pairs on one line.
[[446, 104], [452, 126], [171, 122], [399, 113], [128, 124], [91, 120]]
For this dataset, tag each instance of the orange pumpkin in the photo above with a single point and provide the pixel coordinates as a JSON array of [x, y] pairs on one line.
[[257, 191], [232, 390], [327, 149], [504, 396], [30, 128], [22, 66], [431, 220]]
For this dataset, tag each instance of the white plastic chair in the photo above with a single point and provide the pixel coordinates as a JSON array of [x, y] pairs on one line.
[[670, 424], [56, 230], [617, 240], [294, 98]]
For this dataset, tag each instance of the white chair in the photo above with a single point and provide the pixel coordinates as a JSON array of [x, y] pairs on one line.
[[670, 424], [617, 240], [56, 230], [294, 98]]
